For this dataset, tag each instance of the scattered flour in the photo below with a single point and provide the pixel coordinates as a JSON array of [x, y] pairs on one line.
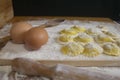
[[51, 50]]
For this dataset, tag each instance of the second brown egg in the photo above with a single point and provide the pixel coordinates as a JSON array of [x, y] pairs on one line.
[[35, 38]]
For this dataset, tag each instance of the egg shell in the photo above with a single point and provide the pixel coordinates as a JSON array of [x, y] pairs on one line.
[[35, 38], [17, 31]]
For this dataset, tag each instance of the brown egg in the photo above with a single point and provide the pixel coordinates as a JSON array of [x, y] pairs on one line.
[[35, 38], [17, 31]]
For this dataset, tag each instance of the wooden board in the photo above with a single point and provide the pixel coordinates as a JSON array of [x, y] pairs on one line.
[[69, 62], [24, 18], [78, 63], [6, 11]]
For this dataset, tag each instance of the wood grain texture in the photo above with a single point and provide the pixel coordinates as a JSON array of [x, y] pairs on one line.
[[6, 11], [79, 63], [24, 18]]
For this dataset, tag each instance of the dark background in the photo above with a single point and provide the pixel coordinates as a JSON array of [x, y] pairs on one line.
[[84, 8]]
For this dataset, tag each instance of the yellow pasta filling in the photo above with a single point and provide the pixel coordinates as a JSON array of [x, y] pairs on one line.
[[65, 38], [84, 38], [92, 50], [111, 49], [73, 30], [118, 42], [102, 28], [68, 32], [78, 29], [93, 31], [110, 34], [113, 35], [72, 49], [101, 38]]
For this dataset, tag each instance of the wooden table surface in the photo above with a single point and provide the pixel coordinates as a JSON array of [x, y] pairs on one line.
[[22, 18]]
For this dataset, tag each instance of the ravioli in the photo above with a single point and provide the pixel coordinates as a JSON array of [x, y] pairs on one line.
[[102, 28], [111, 49], [118, 42], [112, 34], [92, 50], [78, 29], [68, 32], [73, 30], [72, 49], [83, 38], [64, 38], [93, 31], [89, 42], [102, 38]]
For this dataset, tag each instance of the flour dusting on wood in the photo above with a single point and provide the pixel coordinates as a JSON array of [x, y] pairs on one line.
[[51, 50]]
